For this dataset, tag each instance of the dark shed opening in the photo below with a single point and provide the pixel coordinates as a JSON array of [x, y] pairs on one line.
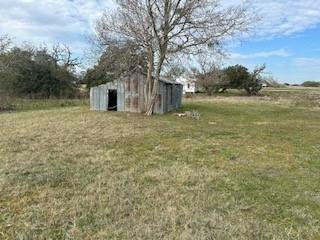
[[112, 100]]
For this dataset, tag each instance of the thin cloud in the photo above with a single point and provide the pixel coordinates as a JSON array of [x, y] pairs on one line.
[[308, 62], [285, 18], [264, 54]]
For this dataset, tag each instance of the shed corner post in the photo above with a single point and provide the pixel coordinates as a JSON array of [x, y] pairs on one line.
[[91, 98]]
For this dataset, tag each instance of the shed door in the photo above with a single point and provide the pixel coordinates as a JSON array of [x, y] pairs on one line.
[[112, 100]]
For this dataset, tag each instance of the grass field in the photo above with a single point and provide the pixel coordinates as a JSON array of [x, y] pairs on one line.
[[248, 169], [45, 104]]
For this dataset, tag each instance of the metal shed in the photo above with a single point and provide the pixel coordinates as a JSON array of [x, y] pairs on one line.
[[126, 95]]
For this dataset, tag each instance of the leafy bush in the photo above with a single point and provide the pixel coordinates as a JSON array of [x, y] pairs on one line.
[[240, 78]]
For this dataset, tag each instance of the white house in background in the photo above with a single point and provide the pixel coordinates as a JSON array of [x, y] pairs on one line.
[[188, 82]]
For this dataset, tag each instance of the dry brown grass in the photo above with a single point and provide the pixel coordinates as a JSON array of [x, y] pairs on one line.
[[290, 96], [74, 174]]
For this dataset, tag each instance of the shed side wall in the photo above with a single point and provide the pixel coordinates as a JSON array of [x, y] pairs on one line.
[[120, 97], [103, 97]]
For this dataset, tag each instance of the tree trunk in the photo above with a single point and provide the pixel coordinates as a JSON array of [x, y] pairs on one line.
[[155, 86], [149, 83]]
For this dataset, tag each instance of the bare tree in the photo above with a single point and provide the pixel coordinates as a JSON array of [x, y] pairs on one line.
[[5, 62], [163, 28], [62, 55], [209, 75], [5, 43], [254, 85], [256, 75]]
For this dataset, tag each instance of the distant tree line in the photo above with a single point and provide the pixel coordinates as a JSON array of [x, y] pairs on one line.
[[311, 84], [37, 72]]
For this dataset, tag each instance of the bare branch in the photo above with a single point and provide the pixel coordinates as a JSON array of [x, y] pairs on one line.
[[5, 43]]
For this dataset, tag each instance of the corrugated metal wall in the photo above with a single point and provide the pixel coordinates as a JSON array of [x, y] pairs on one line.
[[99, 98], [134, 93], [130, 95], [121, 97]]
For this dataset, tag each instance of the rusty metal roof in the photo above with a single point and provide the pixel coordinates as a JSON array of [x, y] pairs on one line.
[[169, 81]]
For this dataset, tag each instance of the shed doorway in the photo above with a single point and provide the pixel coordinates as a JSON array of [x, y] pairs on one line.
[[112, 100]]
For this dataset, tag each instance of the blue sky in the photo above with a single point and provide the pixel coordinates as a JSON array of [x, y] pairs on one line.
[[294, 58], [287, 38]]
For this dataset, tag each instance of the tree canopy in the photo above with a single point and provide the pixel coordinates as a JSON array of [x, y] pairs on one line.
[[37, 72]]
